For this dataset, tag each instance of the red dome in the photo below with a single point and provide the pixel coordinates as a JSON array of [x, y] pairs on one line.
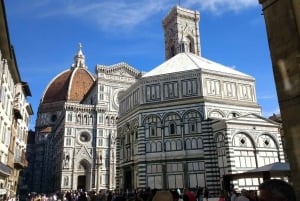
[[71, 85]]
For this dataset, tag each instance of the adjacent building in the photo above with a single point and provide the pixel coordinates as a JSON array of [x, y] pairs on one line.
[[190, 121], [15, 112]]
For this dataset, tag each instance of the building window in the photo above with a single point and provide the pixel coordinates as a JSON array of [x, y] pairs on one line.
[[153, 92], [70, 117], [189, 87], [69, 131], [66, 181], [153, 131], [245, 92], [213, 87], [68, 141], [193, 126], [230, 89], [172, 128], [170, 90]]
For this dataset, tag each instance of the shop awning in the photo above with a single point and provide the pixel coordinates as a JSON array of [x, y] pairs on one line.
[[277, 169]]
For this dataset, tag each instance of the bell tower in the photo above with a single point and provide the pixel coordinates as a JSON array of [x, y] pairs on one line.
[[181, 28]]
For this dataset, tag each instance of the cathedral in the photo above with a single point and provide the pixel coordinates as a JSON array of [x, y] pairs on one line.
[[186, 123]]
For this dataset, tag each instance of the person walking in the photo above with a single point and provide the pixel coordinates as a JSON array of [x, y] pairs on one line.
[[206, 193]]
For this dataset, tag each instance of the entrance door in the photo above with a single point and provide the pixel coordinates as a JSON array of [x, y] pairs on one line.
[[128, 180], [81, 182]]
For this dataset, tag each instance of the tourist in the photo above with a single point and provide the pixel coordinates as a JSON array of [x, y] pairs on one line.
[[276, 189]]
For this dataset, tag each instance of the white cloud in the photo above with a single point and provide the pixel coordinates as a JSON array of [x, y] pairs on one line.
[[126, 14], [107, 14], [221, 6], [266, 97]]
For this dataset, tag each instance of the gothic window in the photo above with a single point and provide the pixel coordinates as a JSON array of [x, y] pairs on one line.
[[79, 118], [101, 92], [70, 117], [85, 119], [68, 141], [189, 87], [100, 118], [69, 131], [91, 119], [66, 181]]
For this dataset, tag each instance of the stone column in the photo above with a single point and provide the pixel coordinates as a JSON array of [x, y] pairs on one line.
[[282, 18]]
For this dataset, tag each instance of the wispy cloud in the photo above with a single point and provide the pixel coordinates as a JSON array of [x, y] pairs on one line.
[[222, 6], [125, 14], [266, 97], [107, 14]]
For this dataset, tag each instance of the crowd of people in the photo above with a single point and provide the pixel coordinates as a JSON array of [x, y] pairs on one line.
[[267, 191]]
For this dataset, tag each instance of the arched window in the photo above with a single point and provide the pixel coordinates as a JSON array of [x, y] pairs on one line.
[[153, 147], [179, 145], [148, 147], [167, 146], [188, 144], [159, 148]]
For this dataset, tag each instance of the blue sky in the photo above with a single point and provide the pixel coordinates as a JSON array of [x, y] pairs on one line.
[[46, 33]]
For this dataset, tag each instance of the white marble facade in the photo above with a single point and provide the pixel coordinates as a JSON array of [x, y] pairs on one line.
[[189, 121], [186, 123]]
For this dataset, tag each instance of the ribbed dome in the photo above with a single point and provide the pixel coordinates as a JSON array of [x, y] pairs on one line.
[[70, 85]]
